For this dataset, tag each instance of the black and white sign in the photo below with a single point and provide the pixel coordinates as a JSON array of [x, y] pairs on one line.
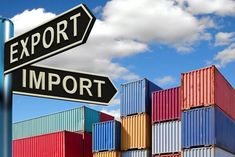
[[62, 84], [66, 31]]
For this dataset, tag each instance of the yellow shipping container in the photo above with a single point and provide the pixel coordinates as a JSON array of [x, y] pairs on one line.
[[136, 132], [107, 154]]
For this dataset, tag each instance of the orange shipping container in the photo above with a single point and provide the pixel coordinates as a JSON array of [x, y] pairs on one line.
[[136, 132], [107, 154], [167, 155], [205, 87]]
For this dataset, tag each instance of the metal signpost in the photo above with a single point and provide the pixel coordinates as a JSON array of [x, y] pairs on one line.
[[66, 31], [63, 84], [6, 31]]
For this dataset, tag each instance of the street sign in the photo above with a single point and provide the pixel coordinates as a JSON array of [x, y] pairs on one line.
[[54, 83], [66, 31]]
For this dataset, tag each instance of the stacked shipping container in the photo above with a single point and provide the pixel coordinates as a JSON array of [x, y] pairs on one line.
[[136, 118], [106, 139], [60, 144], [166, 124], [78, 120], [208, 117]]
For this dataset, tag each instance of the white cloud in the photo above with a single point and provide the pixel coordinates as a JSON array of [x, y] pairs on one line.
[[114, 113], [226, 56], [30, 19], [219, 7], [224, 38], [149, 20], [115, 102], [126, 28], [165, 80]]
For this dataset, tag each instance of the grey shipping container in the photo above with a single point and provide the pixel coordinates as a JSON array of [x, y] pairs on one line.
[[166, 137], [206, 152], [136, 97], [208, 126], [106, 136], [79, 119], [137, 153]]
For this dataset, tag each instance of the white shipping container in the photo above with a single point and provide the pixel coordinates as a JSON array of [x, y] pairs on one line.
[[166, 137], [136, 153], [206, 152]]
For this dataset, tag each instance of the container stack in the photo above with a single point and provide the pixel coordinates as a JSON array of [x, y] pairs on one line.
[[106, 139], [208, 114], [79, 121], [166, 124], [136, 118]]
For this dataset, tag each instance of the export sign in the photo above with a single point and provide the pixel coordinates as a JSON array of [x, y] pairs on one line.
[[66, 31], [63, 84]]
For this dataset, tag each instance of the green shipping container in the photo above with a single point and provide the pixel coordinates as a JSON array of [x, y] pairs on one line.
[[79, 119]]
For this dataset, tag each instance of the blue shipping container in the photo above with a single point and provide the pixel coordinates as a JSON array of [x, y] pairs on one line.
[[106, 136], [136, 97], [208, 126]]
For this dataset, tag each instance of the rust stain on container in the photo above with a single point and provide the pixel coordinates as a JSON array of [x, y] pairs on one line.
[[206, 87], [136, 132], [107, 154]]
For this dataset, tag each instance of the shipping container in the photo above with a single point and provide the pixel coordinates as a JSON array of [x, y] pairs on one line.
[[136, 132], [87, 143], [79, 119], [108, 154], [137, 153], [105, 117], [206, 152], [206, 87], [136, 97], [106, 136], [166, 105], [60, 144], [169, 155], [208, 126], [166, 137]]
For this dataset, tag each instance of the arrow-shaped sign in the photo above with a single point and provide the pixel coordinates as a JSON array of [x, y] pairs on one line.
[[66, 31], [62, 84]]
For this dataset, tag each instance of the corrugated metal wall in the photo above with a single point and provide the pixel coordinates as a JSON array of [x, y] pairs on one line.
[[206, 152], [136, 97], [137, 153], [106, 136], [136, 132], [198, 88], [208, 126], [166, 137], [60, 144], [166, 105], [108, 154], [207, 86], [79, 119]]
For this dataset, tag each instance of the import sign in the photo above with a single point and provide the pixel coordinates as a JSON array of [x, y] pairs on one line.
[[54, 83], [66, 31]]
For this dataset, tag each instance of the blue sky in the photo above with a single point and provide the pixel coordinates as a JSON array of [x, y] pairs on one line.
[[134, 39]]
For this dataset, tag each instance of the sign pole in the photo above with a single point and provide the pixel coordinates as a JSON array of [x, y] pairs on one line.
[[6, 32]]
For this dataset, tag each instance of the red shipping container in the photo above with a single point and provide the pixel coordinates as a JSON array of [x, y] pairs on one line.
[[166, 105], [60, 144], [205, 87], [87, 144], [105, 117], [167, 155]]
